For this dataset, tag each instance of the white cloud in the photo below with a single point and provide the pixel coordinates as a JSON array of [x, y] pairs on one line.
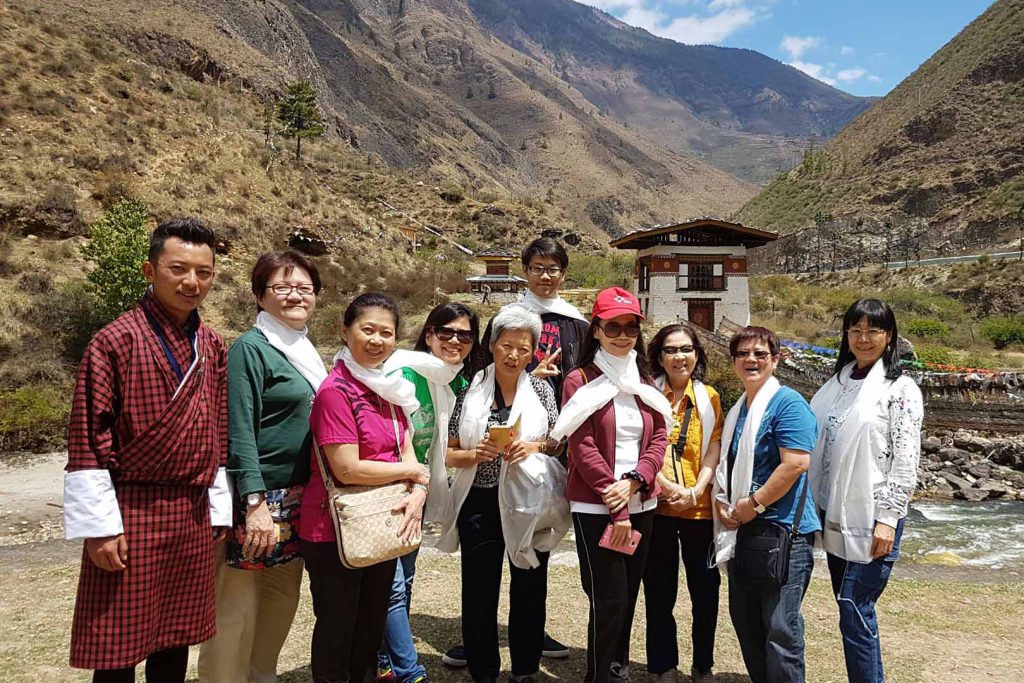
[[874, 79], [813, 70], [796, 46], [709, 21], [846, 50], [696, 30], [851, 74]]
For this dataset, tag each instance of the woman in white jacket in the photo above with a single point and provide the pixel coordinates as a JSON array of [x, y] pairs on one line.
[[863, 472]]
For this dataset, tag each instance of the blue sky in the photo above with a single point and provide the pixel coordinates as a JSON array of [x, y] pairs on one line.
[[865, 47]]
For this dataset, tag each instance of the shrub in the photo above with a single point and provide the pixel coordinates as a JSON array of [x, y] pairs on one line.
[[935, 353], [119, 245], [830, 342], [721, 377], [926, 328], [71, 315], [33, 418], [1003, 330], [597, 271]]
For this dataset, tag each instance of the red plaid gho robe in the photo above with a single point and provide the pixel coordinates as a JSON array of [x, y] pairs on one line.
[[163, 447]]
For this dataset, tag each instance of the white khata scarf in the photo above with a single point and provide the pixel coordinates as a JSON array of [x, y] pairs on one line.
[[705, 410], [476, 409], [541, 305], [620, 375], [295, 346], [848, 527], [743, 467], [439, 376], [392, 388]]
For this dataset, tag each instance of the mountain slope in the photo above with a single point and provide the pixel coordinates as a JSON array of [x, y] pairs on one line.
[[745, 112], [945, 149]]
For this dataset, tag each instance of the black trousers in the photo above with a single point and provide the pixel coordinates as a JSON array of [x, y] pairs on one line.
[[350, 606], [165, 666], [611, 581], [692, 539], [483, 555]]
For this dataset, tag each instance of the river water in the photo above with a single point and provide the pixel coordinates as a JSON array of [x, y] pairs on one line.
[[988, 534]]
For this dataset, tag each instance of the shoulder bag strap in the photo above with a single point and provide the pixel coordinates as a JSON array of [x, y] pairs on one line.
[[394, 424], [324, 472], [677, 450]]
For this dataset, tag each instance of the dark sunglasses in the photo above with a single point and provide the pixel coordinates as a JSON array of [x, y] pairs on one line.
[[446, 334], [673, 350], [613, 330], [759, 355]]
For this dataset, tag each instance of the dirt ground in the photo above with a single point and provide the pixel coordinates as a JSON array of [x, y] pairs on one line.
[[933, 628]]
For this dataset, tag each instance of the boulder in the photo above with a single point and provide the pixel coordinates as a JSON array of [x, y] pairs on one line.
[[980, 470], [954, 454], [942, 489], [973, 495], [995, 489], [931, 444], [955, 481], [963, 439]]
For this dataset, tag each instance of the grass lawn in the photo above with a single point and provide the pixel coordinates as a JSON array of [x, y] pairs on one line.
[[932, 630]]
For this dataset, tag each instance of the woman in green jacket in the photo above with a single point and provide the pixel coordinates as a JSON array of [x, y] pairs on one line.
[[273, 374], [447, 354]]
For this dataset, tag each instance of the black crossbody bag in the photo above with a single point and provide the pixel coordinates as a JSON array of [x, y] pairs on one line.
[[763, 546]]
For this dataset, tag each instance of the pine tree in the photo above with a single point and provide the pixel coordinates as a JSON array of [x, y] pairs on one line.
[[299, 115]]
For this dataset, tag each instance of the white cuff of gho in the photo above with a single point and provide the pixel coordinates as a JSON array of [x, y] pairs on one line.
[[90, 505], [220, 499]]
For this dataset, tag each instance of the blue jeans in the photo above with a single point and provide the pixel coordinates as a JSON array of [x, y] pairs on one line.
[[768, 621], [857, 588], [398, 650]]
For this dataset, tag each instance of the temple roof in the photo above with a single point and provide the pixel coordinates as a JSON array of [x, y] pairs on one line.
[[705, 230]]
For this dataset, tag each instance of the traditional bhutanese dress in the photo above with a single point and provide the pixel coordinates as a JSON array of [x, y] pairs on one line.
[[146, 455]]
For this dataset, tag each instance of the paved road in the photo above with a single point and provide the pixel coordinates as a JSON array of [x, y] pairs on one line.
[[895, 265]]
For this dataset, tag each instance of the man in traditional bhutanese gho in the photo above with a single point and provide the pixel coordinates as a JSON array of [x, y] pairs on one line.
[[145, 485]]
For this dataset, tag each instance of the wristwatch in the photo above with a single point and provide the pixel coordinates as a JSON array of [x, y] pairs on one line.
[[758, 508], [254, 499]]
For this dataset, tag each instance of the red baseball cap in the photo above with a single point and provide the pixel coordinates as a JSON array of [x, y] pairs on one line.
[[616, 301]]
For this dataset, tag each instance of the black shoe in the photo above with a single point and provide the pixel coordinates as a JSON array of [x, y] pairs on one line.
[[455, 657], [553, 649]]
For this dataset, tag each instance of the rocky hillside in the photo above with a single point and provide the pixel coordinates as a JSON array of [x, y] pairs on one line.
[[944, 151], [740, 110], [421, 86]]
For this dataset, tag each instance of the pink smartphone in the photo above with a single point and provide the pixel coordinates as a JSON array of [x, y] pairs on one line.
[[628, 549]]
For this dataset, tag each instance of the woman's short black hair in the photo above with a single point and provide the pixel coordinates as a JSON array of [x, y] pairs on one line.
[[191, 230], [545, 247], [590, 346], [658, 343], [879, 315], [371, 300], [443, 314]]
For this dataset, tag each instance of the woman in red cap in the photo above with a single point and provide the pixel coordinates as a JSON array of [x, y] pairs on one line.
[[614, 418]]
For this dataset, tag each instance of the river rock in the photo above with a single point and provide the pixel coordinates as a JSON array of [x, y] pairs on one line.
[[962, 438], [995, 489], [1008, 453], [954, 455], [973, 495], [958, 483], [942, 489], [931, 444], [981, 470]]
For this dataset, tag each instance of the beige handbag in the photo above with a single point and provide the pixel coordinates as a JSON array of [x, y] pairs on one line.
[[364, 522]]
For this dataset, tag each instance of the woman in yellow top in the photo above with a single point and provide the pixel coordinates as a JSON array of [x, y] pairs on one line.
[[683, 523]]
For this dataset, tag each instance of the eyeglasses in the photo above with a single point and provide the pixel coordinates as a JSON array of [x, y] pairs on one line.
[[673, 350], [870, 334], [446, 334], [613, 330], [759, 355], [550, 271], [283, 289]]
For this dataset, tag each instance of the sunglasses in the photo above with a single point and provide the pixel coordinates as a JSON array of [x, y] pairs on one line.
[[446, 334], [759, 355], [673, 350], [613, 330]]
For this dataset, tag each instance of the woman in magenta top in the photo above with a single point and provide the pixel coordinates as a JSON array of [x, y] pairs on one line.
[[614, 418], [358, 420]]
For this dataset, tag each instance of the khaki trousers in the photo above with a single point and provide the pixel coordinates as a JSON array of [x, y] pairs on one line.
[[255, 608]]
